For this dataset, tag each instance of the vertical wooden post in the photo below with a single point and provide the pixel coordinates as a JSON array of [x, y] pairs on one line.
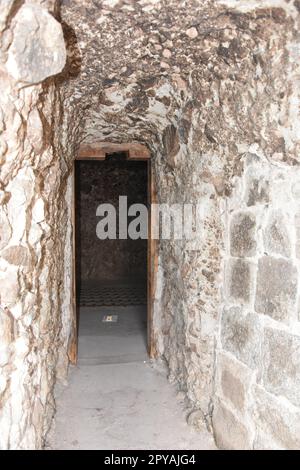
[[73, 342], [152, 264]]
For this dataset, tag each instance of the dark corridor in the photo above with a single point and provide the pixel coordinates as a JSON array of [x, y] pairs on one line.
[[111, 274]]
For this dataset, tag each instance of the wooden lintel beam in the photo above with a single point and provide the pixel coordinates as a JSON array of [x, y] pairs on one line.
[[99, 150]]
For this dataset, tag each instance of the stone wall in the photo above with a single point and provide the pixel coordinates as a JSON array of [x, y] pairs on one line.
[[31, 222], [258, 367], [102, 182]]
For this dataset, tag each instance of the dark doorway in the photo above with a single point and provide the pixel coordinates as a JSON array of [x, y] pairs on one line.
[[111, 274]]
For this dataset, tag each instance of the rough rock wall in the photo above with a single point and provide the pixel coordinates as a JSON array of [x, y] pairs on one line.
[[203, 84], [257, 401], [102, 183], [31, 221]]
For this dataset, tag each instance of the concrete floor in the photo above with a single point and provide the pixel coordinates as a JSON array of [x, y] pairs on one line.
[[116, 398]]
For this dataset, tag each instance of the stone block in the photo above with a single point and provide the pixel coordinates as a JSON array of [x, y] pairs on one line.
[[257, 191], [281, 364], [242, 234], [277, 424], [276, 235], [229, 432], [38, 49], [276, 288], [241, 335], [233, 381], [240, 280]]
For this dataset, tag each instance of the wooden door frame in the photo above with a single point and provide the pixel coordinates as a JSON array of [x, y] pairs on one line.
[[138, 152]]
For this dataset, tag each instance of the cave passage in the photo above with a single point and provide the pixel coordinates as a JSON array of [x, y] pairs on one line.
[[111, 274], [197, 103]]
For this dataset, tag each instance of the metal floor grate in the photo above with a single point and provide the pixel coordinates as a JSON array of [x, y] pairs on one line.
[[98, 296]]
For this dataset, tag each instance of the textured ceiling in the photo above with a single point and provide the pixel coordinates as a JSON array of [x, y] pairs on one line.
[[136, 67]]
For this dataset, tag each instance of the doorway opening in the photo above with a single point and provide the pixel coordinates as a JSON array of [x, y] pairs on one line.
[[113, 275]]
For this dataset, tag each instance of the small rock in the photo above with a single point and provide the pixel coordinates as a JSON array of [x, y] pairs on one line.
[[38, 49], [180, 396], [164, 65], [168, 44], [197, 419], [167, 53], [192, 32]]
